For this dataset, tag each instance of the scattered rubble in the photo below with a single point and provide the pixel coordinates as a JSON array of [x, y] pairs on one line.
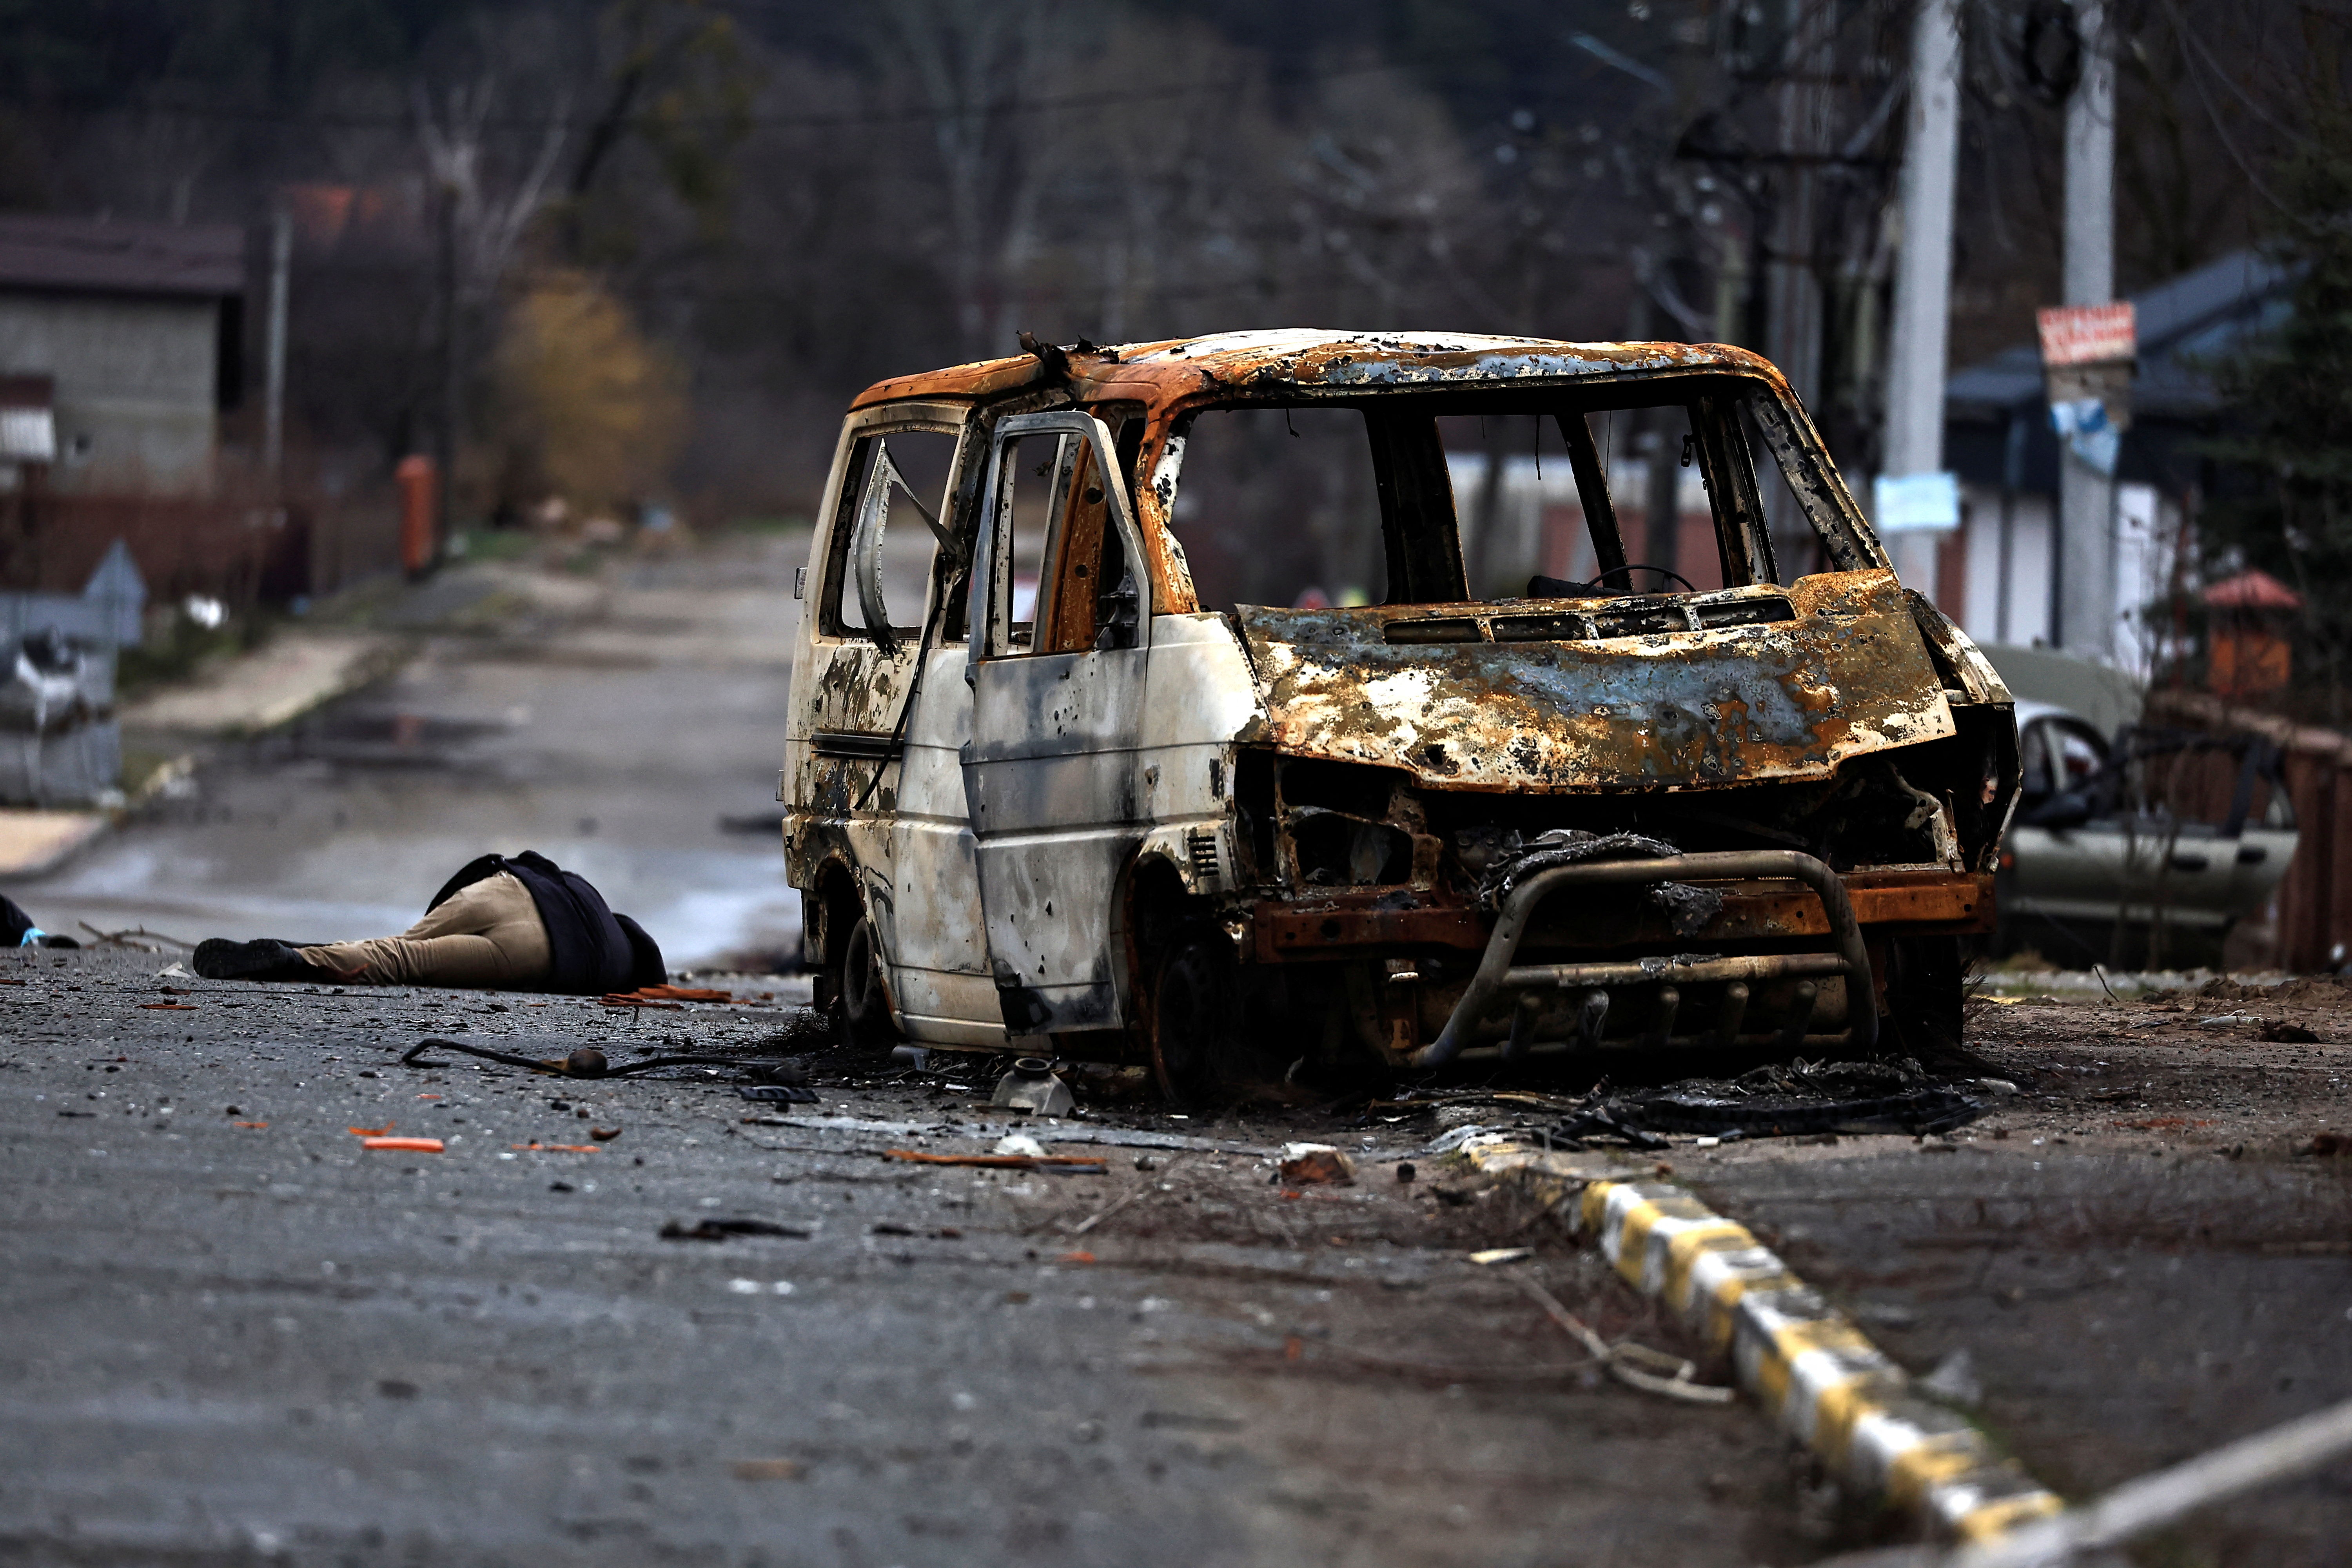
[[1308, 1165], [1031, 1088], [1778, 1101]]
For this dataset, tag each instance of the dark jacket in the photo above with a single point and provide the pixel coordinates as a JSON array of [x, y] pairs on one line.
[[592, 951]]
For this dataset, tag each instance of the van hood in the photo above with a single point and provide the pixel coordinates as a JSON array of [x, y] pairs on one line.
[[1775, 684]]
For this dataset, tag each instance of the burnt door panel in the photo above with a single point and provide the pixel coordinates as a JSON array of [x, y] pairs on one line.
[[1050, 773]]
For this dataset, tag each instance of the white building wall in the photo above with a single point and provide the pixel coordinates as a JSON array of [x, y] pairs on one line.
[[2010, 606], [2148, 538]]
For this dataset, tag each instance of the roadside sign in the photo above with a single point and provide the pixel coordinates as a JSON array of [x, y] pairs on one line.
[[2088, 334], [1916, 503]]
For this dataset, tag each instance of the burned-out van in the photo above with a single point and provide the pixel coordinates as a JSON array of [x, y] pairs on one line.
[[1147, 708]]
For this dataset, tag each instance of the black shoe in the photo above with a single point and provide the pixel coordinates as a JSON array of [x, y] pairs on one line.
[[267, 959]]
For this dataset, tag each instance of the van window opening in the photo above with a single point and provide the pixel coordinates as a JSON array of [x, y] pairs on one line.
[[1409, 499]]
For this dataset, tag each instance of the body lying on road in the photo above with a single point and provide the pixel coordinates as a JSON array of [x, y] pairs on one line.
[[519, 924]]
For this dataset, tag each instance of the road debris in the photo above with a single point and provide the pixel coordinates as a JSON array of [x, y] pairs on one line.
[[1634, 1365], [1778, 1101], [726, 1229], [589, 1062], [1002, 1162], [141, 938], [1031, 1088], [768, 1470], [1116, 1204], [1955, 1380], [655, 995], [1311, 1164], [1494, 1255], [411, 1145]]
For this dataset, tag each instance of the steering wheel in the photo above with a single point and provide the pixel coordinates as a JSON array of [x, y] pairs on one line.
[[1598, 577]]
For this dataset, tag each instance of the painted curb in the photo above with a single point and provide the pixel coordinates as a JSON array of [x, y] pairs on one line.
[[1811, 1369]]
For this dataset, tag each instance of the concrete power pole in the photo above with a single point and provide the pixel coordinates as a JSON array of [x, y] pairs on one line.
[[2086, 576], [1919, 507], [273, 411]]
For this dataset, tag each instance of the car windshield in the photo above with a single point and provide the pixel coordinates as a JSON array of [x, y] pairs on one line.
[[1410, 499]]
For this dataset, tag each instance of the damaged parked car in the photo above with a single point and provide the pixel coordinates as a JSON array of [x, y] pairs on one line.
[[2150, 850], [1072, 767]]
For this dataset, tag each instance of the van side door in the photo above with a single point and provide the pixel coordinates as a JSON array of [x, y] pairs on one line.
[[1061, 631], [881, 711]]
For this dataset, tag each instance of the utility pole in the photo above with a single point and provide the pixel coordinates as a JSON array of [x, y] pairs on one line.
[[1791, 287], [1918, 503], [2086, 542], [452, 381], [273, 412]]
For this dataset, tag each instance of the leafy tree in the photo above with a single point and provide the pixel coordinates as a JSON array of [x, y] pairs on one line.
[[590, 410]]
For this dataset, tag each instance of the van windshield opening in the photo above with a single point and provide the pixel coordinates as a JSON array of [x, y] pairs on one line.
[[1479, 495]]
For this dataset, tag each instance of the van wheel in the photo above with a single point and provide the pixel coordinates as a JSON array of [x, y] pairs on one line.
[[1194, 1018], [864, 1002]]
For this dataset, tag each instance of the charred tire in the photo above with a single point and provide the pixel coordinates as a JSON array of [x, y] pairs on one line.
[[1924, 988], [864, 1003], [1194, 1018]]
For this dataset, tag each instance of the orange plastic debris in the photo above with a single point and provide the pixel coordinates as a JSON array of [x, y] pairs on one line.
[[248, 1123], [1077, 1258], [414, 1145], [370, 1131]]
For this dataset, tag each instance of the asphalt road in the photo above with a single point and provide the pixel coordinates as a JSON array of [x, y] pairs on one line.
[[234, 1335]]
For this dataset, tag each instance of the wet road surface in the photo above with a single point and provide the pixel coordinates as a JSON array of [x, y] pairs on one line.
[[629, 727]]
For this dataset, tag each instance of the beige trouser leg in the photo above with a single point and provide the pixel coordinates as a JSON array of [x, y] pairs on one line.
[[487, 935]]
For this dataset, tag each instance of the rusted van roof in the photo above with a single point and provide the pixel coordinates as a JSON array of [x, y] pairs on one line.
[[1182, 368]]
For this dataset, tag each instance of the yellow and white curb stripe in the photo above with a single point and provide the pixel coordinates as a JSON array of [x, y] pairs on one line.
[[1817, 1373], [1806, 1364]]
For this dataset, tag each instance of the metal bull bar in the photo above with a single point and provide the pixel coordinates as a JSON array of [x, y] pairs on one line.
[[1498, 975]]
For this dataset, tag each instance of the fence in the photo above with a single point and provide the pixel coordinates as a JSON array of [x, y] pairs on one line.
[[236, 551], [2312, 923]]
